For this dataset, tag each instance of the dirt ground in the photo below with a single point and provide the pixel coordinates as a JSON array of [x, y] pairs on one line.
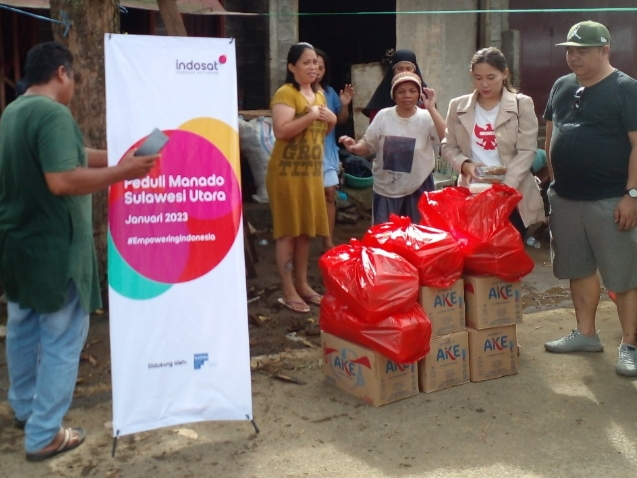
[[560, 416], [274, 328]]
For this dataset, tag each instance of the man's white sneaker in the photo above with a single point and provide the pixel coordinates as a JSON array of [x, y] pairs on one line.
[[575, 342], [627, 363]]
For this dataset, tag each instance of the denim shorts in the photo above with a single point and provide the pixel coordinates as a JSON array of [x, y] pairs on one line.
[[330, 178], [585, 239]]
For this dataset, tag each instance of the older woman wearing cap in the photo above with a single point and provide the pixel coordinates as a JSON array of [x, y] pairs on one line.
[[402, 137]]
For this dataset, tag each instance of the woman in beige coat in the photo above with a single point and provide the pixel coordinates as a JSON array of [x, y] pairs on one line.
[[495, 126]]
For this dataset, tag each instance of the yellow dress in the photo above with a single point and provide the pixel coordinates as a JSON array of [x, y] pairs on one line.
[[295, 173]]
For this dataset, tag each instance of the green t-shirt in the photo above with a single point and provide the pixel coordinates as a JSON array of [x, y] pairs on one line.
[[45, 240]]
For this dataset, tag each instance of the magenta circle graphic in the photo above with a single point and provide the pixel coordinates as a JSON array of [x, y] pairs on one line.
[[178, 222]]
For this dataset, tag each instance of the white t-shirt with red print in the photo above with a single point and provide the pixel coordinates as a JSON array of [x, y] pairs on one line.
[[484, 144]]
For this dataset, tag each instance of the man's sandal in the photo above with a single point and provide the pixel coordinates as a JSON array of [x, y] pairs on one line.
[[73, 437]]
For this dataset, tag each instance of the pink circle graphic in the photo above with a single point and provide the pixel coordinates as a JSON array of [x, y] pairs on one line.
[[180, 221]]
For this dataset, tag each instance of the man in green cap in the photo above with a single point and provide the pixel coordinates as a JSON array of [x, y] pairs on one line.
[[591, 141]]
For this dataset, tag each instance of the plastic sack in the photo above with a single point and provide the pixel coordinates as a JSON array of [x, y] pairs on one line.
[[480, 223], [357, 166], [373, 282], [435, 253], [256, 140], [403, 337]]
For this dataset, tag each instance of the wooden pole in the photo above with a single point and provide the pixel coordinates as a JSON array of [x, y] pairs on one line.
[[172, 18]]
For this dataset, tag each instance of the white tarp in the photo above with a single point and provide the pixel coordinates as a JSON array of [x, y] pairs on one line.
[[178, 313]]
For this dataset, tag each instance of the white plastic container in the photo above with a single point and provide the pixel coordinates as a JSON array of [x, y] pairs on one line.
[[476, 188]]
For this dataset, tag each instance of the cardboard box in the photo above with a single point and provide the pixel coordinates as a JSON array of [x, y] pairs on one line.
[[366, 374], [493, 352], [444, 307], [447, 363], [491, 302]]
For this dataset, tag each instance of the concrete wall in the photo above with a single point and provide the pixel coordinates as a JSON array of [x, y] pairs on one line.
[[365, 80], [493, 24], [444, 44], [284, 32], [494, 31]]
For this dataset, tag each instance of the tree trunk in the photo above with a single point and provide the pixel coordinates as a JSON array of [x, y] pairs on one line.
[[172, 18], [91, 19]]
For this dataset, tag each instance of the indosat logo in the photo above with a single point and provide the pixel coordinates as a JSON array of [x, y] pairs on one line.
[[201, 67]]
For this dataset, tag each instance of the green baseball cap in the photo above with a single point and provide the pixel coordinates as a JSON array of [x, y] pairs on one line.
[[588, 33]]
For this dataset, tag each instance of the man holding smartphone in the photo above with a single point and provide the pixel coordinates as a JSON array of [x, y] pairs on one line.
[[47, 256]]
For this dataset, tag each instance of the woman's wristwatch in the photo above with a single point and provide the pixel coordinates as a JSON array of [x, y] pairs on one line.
[[632, 192]]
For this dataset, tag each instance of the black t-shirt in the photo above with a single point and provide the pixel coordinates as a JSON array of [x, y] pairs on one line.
[[590, 149]]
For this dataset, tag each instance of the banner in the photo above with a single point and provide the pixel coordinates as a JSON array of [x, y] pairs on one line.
[[178, 312]]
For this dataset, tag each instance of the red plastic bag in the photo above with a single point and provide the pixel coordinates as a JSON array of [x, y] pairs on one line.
[[490, 243], [373, 282], [444, 210], [402, 337], [435, 253]]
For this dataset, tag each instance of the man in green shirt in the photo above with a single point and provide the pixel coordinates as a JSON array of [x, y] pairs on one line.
[[47, 256]]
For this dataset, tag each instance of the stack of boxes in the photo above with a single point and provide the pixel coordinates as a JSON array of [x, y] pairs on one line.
[[493, 308], [474, 338], [473, 332], [447, 363]]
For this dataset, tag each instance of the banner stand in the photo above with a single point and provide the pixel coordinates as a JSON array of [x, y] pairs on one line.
[[116, 437], [114, 449], [176, 263]]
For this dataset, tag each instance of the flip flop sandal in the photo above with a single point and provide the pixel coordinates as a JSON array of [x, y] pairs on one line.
[[290, 305], [314, 299], [66, 445]]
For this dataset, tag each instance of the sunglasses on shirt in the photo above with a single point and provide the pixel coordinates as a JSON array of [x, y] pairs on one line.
[[577, 104]]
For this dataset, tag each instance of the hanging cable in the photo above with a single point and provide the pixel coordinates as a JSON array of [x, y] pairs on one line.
[[65, 19]]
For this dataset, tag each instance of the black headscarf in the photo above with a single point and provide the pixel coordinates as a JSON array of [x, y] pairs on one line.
[[382, 96]]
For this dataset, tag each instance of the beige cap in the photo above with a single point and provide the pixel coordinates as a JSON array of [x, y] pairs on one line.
[[403, 77]]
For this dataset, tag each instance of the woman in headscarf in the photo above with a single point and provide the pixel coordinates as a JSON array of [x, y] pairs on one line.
[[401, 60]]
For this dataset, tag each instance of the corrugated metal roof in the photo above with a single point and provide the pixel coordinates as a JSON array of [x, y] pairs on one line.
[[27, 3], [201, 7]]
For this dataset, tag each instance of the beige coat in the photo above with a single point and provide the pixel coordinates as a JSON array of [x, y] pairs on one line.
[[516, 132]]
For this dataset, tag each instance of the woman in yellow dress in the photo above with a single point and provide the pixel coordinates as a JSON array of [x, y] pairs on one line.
[[300, 119]]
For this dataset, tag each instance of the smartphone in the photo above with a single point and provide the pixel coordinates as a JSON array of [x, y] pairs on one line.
[[153, 143]]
